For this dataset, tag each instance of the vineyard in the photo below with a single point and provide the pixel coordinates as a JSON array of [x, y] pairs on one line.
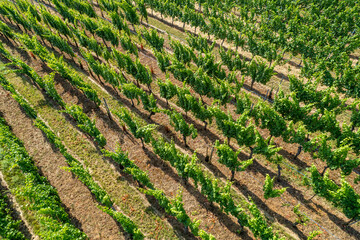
[[179, 119]]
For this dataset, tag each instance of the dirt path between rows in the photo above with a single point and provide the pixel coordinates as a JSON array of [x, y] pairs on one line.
[[76, 198], [112, 134]]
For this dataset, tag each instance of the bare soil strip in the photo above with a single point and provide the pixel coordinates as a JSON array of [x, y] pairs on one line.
[[76, 198], [111, 132]]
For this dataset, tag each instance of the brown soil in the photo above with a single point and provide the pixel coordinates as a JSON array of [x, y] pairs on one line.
[[212, 218], [260, 90], [76, 198], [248, 183], [161, 174]]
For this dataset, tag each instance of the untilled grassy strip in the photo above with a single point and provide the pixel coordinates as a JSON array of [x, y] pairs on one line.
[[76, 167], [37, 198], [194, 229], [120, 191]]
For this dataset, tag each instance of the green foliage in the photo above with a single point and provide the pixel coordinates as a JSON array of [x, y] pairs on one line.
[[211, 189], [201, 112], [143, 74], [222, 92], [131, 91], [119, 22], [124, 61], [149, 102], [233, 64], [343, 197], [9, 228], [51, 91], [85, 177], [262, 147], [129, 166], [39, 196], [175, 207], [243, 103], [185, 99], [74, 166], [89, 43], [55, 22], [142, 9], [199, 43], [289, 107], [109, 5], [258, 225], [130, 13], [167, 89], [335, 158], [202, 83], [50, 135], [6, 30], [301, 218], [153, 39], [85, 124], [259, 72], [207, 63], [182, 53], [268, 188], [126, 223], [127, 119], [101, 69], [144, 133], [60, 66], [178, 122], [6, 85], [106, 32], [26, 106], [314, 234], [347, 200], [270, 119], [168, 152], [127, 44], [225, 123], [163, 60], [59, 42], [246, 133], [83, 7], [230, 158]]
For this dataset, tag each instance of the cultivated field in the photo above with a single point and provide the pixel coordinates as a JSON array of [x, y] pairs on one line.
[[195, 119]]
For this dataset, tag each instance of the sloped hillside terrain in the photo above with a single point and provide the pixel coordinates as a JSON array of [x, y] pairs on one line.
[[153, 119]]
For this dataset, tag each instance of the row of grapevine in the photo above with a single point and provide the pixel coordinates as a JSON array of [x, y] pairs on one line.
[[35, 192], [74, 165], [189, 168], [332, 158], [142, 133], [221, 27], [83, 122], [120, 158], [311, 122], [9, 227], [57, 64], [353, 163]]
